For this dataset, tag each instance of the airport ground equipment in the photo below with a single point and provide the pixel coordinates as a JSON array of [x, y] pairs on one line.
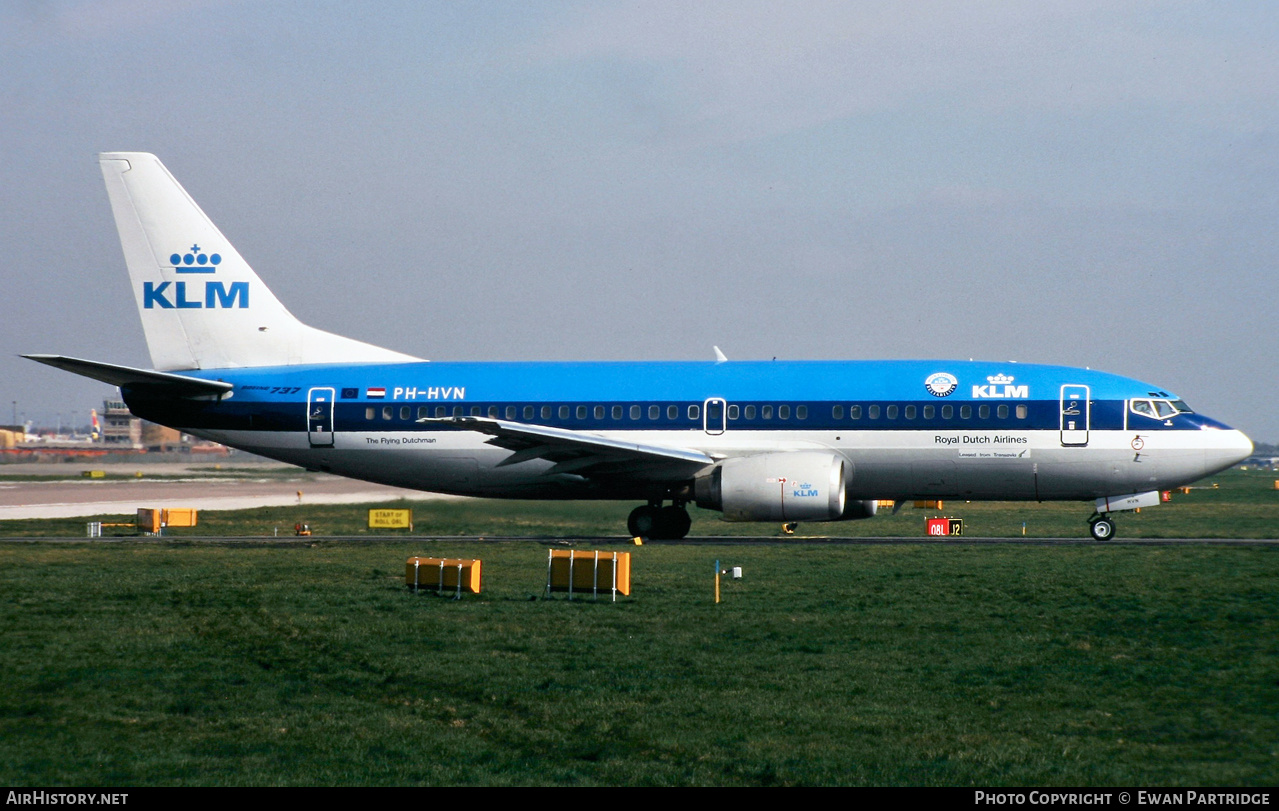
[[577, 572], [445, 574], [735, 572]]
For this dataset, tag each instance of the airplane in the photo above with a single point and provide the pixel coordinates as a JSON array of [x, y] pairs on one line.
[[773, 441]]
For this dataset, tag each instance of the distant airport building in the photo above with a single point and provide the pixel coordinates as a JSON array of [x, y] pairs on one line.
[[119, 427]]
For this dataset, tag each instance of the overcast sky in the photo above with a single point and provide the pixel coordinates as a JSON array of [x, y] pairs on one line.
[[1091, 184]]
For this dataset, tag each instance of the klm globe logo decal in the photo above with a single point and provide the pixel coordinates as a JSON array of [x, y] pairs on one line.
[[184, 295], [941, 384], [195, 261]]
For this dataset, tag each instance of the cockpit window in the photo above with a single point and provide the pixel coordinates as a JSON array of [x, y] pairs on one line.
[[1159, 409]]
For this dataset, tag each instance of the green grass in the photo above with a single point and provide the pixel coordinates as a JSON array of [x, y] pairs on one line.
[[157, 664]]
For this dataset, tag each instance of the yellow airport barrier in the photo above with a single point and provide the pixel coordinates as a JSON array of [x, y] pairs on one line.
[[178, 518], [578, 572], [93, 474], [445, 574], [928, 505], [149, 520]]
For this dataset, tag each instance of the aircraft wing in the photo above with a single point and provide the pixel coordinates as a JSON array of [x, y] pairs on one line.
[[166, 382], [582, 453]]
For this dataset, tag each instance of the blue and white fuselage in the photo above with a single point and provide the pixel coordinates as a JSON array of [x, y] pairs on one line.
[[779, 440]]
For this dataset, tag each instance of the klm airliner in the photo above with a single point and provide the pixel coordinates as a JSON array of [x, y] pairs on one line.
[[757, 441]]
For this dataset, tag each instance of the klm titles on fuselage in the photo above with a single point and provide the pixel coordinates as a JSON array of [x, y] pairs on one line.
[[1000, 387], [213, 295]]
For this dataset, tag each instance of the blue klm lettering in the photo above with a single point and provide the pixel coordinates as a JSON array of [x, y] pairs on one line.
[[216, 295]]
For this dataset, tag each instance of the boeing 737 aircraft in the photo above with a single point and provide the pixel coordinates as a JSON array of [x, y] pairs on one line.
[[758, 441]]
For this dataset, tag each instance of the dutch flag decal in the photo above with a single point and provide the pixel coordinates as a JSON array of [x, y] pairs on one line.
[[377, 393]]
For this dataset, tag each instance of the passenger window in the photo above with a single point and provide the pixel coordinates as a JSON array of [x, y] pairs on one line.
[[441, 411], [930, 412], [1021, 412], [654, 412], [872, 412], [1002, 412], [599, 412], [947, 412], [965, 412], [528, 412], [563, 412], [837, 412], [635, 412], [510, 412], [801, 412], [422, 411], [617, 412], [855, 412], [388, 412], [983, 411], [546, 412], [493, 412], [581, 412], [750, 412], [766, 412], [733, 412], [405, 412], [672, 412], [457, 411], [475, 411], [891, 412], [370, 413], [783, 412], [910, 412]]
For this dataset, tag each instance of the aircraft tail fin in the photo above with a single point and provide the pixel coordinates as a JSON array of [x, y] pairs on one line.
[[202, 306]]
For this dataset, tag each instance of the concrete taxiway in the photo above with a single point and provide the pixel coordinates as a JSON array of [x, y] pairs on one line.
[[195, 486]]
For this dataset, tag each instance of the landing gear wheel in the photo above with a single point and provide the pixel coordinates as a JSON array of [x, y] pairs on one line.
[[674, 523], [1102, 529], [641, 522], [659, 523]]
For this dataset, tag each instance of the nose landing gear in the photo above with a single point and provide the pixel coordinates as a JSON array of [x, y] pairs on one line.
[[655, 522], [1102, 527]]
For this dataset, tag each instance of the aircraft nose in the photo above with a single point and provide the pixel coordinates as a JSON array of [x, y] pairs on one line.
[[1228, 449]]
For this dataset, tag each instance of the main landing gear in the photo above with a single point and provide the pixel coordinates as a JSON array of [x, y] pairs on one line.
[[1102, 527], [659, 523]]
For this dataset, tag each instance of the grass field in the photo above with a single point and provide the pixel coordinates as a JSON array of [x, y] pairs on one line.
[[171, 663]]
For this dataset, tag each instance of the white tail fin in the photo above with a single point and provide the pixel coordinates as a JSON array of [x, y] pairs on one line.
[[202, 306]]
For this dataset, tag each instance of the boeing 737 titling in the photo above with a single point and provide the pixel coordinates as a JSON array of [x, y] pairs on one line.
[[759, 441]]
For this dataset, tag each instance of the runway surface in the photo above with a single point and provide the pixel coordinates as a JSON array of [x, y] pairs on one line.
[[238, 486]]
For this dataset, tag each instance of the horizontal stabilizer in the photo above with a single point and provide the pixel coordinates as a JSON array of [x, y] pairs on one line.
[[173, 384]]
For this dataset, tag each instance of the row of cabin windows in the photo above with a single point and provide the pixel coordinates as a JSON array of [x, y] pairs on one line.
[[636, 412], [929, 411]]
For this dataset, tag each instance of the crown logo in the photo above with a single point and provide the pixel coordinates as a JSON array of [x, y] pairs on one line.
[[195, 261], [1000, 380]]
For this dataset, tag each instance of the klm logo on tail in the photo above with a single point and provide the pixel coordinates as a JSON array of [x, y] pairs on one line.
[[188, 295]]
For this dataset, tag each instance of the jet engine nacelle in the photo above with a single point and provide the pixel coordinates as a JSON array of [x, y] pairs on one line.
[[795, 486]]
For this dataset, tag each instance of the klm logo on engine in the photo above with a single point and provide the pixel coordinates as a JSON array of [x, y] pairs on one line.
[[1001, 386], [184, 295], [804, 490]]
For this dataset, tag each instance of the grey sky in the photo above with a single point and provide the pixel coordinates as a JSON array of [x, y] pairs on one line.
[[1092, 184]]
